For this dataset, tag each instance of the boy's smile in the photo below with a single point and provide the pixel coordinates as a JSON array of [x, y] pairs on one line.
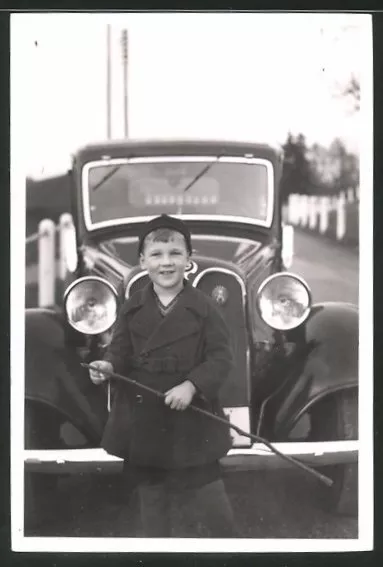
[[165, 263]]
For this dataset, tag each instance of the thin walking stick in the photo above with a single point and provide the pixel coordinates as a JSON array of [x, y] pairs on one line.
[[256, 438]]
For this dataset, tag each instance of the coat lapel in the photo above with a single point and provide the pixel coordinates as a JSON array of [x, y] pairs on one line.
[[162, 331]]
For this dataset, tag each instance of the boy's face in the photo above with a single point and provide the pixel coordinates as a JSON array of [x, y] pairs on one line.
[[165, 261]]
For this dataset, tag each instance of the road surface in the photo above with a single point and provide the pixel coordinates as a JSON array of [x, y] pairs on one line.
[[267, 504], [330, 269]]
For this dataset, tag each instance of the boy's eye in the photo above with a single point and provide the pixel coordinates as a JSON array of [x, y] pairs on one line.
[[172, 253]]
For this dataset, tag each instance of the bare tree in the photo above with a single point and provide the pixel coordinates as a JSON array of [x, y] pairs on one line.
[[352, 90]]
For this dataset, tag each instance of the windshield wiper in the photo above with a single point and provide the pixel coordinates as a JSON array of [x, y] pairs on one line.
[[201, 173], [188, 186], [106, 177]]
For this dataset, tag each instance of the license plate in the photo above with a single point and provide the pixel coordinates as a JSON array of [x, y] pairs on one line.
[[239, 416]]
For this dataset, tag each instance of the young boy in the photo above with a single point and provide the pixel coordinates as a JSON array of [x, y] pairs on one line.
[[170, 336]]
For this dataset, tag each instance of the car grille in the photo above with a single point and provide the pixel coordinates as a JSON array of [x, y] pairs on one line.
[[228, 291]]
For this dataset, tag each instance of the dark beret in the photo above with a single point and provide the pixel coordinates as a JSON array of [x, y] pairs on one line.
[[165, 221]]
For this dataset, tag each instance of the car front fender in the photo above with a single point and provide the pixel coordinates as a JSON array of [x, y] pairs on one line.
[[54, 376], [326, 361]]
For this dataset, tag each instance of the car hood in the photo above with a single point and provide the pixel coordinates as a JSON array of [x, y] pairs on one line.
[[250, 254], [233, 251]]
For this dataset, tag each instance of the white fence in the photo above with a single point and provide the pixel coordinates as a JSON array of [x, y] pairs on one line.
[[50, 269], [325, 214]]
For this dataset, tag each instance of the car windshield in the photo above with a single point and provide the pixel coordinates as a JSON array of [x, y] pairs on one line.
[[121, 189]]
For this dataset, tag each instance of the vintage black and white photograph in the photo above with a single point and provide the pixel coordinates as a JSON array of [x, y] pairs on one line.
[[191, 219]]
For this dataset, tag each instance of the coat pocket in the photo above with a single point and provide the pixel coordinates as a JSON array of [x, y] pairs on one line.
[[151, 441], [199, 439]]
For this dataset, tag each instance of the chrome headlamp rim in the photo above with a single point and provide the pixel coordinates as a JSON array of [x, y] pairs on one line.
[[87, 278], [295, 277], [79, 281]]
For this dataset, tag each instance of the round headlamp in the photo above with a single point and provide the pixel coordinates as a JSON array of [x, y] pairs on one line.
[[91, 305], [284, 301]]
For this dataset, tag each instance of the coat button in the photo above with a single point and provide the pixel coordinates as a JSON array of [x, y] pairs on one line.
[[139, 399]]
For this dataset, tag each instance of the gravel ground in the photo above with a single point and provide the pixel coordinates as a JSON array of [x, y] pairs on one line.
[[266, 505]]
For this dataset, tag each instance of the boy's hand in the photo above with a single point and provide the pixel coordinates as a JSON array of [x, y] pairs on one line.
[[96, 375], [180, 396]]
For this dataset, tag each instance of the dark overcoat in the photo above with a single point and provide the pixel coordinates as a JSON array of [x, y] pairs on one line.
[[192, 342]]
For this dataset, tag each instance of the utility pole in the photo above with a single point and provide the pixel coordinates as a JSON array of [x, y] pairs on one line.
[[124, 45], [108, 84]]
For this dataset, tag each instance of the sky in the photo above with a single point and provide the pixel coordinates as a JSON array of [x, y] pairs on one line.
[[233, 76]]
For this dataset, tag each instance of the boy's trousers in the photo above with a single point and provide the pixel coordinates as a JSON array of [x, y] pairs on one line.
[[194, 504]]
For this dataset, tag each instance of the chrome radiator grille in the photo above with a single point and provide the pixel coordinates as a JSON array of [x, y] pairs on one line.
[[228, 291]]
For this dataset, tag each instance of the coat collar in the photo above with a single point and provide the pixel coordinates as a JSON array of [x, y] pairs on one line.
[[190, 299], [159, 331]]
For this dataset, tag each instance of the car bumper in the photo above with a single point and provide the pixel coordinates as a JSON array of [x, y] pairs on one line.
[[256, 457]]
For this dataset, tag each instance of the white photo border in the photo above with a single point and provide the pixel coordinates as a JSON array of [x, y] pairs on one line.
[[20, 76]]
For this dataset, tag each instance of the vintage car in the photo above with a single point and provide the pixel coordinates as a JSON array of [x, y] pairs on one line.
[[296, 374]]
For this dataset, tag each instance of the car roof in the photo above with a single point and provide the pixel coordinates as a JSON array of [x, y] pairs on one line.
[[150, 147]]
